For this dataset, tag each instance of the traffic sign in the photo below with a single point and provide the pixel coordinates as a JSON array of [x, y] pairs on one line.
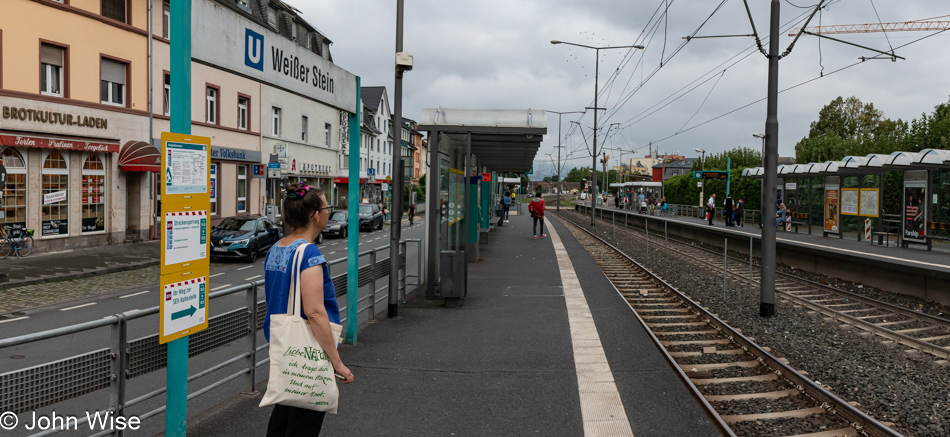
[[371, 171], [697, 175], [273, 165]]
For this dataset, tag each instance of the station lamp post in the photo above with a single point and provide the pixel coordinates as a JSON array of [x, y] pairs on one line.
[[702, 188], [595, 108]]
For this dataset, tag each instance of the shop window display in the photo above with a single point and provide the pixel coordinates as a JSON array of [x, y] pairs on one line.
[[93, 194], [13, 202], [53, 195]]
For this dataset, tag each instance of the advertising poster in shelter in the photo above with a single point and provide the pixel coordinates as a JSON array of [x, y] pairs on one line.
[[915, 208], [849, 201], [831, 210]]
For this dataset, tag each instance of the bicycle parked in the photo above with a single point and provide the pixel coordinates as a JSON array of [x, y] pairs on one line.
[[15, 241]]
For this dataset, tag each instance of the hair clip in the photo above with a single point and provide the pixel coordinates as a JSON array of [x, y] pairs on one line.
[[301, 191]]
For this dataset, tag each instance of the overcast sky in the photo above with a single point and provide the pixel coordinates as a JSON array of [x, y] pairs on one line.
[[497, 54]]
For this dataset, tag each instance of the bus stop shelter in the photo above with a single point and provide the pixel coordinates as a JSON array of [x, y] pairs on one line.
[[468, 150]]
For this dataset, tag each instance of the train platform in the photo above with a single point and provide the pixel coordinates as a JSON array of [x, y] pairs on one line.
[[542, 345], [913, 270]]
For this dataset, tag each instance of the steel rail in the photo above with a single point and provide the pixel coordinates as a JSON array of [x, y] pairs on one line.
[[858, 419], [906, 340]]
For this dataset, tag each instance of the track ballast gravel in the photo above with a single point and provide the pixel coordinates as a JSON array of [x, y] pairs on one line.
[[892, 386]]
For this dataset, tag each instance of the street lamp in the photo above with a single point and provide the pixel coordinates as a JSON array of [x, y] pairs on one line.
[[702, 189], [559, 151], [596, 73]]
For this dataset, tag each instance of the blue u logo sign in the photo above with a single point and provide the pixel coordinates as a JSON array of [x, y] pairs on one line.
[[254, 49]]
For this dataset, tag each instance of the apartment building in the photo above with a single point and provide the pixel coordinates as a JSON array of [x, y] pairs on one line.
[[74, 105]]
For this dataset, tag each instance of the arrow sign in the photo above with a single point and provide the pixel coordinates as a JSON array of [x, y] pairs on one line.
[[184, 313]]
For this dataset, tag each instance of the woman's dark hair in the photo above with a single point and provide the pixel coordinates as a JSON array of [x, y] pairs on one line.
[[298, 210], [538, 194]]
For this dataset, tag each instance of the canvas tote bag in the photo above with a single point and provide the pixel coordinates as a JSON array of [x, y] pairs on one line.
[[300, 374]]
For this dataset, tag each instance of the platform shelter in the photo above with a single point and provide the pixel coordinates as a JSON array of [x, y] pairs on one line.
[[850, 193], [468, 150]]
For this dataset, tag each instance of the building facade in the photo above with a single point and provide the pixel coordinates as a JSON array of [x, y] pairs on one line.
[[276, 95], [74, 101]]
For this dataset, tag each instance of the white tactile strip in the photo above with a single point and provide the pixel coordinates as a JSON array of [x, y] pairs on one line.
[[601, 407]]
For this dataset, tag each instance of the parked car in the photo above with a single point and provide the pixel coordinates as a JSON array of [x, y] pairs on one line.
[[318, 240], [337, 224], [370, 217], [243, 237]]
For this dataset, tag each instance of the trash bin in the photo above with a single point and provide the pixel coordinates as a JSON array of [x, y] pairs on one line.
[[452, 278]]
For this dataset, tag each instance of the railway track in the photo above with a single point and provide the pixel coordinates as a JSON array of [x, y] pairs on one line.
[[919, 331], [745, 389]]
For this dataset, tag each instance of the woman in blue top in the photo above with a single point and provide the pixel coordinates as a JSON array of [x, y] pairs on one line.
[[305, 212]]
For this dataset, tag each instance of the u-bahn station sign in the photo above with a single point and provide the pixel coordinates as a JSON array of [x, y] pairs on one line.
[[256, 52]]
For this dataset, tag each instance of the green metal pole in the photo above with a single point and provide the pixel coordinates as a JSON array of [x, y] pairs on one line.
[[176, 370], [353, 223], [728, 174]]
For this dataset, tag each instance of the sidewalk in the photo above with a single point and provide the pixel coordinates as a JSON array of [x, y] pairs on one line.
[[77, 263], [501, 364]]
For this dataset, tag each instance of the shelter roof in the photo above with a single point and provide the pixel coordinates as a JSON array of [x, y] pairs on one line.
[[505, 140]]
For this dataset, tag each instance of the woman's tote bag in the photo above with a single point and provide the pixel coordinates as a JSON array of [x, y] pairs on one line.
[[300, 373]]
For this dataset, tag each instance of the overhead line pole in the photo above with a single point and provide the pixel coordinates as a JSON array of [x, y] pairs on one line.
[[559, 151], [595, 108], [767, 280]]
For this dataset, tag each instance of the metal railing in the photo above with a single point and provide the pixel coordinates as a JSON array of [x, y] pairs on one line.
[[50, 383]]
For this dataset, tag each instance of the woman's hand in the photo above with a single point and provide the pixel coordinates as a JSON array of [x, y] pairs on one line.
[[343, 371]]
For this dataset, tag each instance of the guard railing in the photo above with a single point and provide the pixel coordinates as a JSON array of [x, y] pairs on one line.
[[110, 366]]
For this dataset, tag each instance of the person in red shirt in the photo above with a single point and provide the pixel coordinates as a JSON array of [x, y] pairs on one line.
[[536, 208]]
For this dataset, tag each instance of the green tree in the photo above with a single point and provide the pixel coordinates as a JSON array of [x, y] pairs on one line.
[[577, 174], [742, 157]]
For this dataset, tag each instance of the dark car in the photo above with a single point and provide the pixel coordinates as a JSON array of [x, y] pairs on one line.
[[370, 217], [337, 224], [243, 237]]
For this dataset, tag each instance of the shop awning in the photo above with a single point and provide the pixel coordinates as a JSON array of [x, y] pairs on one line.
[[19, 139], [140, 156]]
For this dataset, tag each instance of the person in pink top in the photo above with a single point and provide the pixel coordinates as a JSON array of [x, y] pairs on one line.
[[536, 208]]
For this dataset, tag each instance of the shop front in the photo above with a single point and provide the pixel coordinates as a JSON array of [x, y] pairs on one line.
[[315, 167], [63, 179], [234, 189], [368, 191]]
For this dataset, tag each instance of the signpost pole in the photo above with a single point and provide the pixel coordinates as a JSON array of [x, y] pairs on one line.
[[176, 395], [353, 223]]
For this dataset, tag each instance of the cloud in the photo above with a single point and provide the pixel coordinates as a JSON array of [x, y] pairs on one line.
[[497, 54]]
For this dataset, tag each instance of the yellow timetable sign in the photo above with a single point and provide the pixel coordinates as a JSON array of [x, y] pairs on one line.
[[186, 200]]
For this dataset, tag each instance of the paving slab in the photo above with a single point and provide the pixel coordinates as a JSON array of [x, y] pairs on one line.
[[501, 364]]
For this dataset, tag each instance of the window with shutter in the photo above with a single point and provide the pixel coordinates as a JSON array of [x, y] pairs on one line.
[[112, 82], [115, 9], [52, 60]]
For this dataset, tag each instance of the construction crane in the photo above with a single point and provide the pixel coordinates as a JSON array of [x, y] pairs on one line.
[[923, 25]]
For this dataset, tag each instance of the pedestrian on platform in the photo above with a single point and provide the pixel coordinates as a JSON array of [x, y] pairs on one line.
[[663, 206], [506, 205], [617, 201], [740, 212], [412, 212], [305, 211], [536, 208], [728, 209], [711, 208], [780, 215]]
